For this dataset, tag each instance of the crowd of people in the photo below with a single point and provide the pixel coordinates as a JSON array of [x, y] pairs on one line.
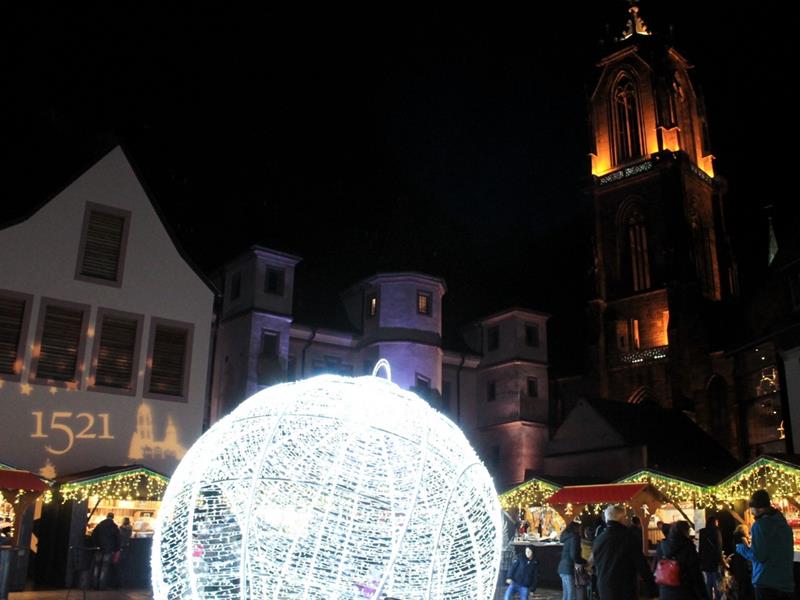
[[607, 562]]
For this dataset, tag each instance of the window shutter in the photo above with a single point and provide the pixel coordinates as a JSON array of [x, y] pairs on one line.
[[12, 312], [169, 356], [115, 357], [103, 246], [61, 338]]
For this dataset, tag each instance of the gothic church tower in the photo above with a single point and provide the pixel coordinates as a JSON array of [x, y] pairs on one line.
[[662, 262]]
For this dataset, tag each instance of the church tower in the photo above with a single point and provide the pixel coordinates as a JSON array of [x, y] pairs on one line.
[[663, 269]]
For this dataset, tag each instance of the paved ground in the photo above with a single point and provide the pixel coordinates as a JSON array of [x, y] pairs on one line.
[[143, 595]]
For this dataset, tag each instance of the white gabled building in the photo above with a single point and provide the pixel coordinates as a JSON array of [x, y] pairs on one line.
[[105, 331]]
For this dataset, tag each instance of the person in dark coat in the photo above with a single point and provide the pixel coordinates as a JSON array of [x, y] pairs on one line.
[[678, 546], [740, 569], [618, 561], [570, 556], [522, 576], [106, 537], [711, 557]]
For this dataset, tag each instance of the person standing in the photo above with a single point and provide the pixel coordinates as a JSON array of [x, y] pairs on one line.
[[771, 550], [679, 547], [741, 570], [618, 561], [570, 557], [106, 537], [523, 575], [711, 557]]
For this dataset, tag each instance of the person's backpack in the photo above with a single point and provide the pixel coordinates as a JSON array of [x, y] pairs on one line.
[[668, 572]]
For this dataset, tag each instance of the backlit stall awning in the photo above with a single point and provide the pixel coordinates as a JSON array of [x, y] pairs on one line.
[[19, 489], [642, 498]]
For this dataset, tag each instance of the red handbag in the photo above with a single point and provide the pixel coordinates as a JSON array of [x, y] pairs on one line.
[[668, 573]]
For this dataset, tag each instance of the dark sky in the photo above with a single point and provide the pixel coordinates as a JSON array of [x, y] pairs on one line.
[[452, 142]]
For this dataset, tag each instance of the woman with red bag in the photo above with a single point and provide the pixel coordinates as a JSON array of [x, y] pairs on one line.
[[678, 572]]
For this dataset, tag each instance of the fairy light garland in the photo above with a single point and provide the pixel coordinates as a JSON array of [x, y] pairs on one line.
[[140, 484], [780, 479], [675, 489], [331, 487], [531, 493]]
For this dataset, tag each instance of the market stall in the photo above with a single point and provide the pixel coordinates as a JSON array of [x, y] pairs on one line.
[[532, 522], [642, 499], [779, 475], [19, 491], [133, 492], [527, 505], [686, 500]]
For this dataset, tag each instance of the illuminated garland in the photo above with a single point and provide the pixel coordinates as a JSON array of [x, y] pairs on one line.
[[780, 479], [531, 493], [140, 484], [332, 487], [675, 489]]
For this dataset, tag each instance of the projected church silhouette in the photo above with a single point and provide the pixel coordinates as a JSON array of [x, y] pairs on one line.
[[143, 443]]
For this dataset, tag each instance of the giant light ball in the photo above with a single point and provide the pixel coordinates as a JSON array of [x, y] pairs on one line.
[[332, 487]]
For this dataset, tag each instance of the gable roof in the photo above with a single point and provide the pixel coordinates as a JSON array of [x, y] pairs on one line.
[[675, 444], [88, 166]]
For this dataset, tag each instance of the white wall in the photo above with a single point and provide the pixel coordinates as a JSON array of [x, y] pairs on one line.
[[39, 258]]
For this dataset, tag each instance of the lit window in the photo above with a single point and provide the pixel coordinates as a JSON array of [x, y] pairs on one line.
[[274, 281], [102, 250], [372, 305], [424, 303], [625, 121]]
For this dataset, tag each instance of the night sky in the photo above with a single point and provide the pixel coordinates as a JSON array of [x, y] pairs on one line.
[[451, 142]]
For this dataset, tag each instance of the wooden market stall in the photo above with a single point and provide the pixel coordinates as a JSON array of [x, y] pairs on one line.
[[19, 491], [528, 501], [686, 500], [643, 499], [86, 498], [779, 475]]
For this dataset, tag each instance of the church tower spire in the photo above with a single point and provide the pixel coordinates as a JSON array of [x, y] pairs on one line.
[[635, 24]]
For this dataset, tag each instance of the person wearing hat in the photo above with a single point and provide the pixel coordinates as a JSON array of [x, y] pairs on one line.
[[771, 550]]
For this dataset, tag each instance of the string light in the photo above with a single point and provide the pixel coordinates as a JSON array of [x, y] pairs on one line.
[[531, 493], [677, 490], [780, 479], [137, 484], [332, 487]]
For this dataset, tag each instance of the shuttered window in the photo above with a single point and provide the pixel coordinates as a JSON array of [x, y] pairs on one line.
[[116, 355], [168, 361], [60, 343], [12, 317], [103, 239]]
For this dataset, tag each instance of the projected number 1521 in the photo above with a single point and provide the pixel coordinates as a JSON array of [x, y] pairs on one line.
[[70, 427]]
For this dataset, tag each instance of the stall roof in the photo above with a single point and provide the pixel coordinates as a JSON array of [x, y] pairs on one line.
[[121, 483], [779, 474], [107, 472], [13, 479], [598, 494], [533, 492]]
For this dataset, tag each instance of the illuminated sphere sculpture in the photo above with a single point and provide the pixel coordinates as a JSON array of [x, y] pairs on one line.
[[332, 487]]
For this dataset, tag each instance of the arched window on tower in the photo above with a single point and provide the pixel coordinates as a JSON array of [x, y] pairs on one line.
[[637, 243], [625, 120]]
